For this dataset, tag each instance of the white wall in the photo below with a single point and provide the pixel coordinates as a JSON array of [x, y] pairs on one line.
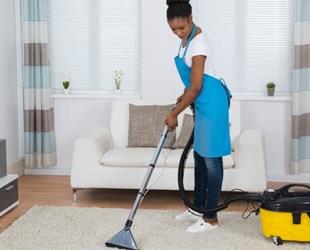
[[273, 118], [158, 48], [72, 118], [8, 80], [159, 78]]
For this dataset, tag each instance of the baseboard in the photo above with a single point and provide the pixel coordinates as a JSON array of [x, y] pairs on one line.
[[300, 178], [17, 167], [48, 171]]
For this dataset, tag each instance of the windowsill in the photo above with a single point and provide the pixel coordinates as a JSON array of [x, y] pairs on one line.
[[112, 95], [93, 95], [262, 98]]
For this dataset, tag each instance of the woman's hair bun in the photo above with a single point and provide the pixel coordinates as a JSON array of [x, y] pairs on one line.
[[170, 2]]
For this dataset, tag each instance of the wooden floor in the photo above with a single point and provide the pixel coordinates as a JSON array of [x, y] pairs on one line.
[[56, 191]]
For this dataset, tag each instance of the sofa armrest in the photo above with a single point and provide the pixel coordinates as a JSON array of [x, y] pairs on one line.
[[89, 147], [249, 156]]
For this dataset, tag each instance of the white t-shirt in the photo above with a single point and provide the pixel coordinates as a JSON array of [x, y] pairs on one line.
[[199, 45]]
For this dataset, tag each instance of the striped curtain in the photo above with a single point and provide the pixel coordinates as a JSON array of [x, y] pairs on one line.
[[39, 136], [300, 159]]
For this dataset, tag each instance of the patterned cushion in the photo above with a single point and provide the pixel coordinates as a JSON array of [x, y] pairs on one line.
[[146, 123], [186, 131]]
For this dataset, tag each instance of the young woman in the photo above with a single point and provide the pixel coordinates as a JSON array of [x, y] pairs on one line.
[[211, 99]]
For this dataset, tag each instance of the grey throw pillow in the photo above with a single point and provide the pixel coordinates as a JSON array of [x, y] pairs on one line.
[[186, 131], [146, 123]]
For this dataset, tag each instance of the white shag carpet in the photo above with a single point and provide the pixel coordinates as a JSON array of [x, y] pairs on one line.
[[50, 227]]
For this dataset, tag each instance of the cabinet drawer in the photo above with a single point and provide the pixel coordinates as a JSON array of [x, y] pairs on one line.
[[8, 195]]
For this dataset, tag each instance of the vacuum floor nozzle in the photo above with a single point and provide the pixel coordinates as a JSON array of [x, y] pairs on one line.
[[123, 240]]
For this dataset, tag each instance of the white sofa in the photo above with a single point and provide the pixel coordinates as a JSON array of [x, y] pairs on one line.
[[101, 158]]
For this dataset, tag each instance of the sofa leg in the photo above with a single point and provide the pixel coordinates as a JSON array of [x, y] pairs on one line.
[[74, 195]]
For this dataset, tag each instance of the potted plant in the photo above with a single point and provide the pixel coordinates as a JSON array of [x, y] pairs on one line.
[[270, 88], [66, 85], [117, 80]]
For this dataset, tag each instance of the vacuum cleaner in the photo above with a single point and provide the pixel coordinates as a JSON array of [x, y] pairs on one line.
[[284, 214]]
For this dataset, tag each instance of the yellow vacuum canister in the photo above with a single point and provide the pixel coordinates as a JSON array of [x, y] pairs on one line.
[[286, 219]]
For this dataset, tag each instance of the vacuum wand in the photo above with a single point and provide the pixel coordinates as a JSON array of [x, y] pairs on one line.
[[124, 239], [148, 175]]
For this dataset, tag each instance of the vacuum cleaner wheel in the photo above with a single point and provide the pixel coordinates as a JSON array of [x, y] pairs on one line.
[[277, 240]]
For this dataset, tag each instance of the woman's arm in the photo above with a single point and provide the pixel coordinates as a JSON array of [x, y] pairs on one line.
[[181, 96], [189, 96]]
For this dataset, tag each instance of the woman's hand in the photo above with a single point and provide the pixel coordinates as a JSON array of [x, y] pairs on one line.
[[171, 121]]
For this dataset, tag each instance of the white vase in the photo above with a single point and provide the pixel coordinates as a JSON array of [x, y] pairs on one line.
[[67, 91], [118, 91]]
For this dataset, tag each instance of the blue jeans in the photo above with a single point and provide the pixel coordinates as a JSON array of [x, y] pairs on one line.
[[208, 183]]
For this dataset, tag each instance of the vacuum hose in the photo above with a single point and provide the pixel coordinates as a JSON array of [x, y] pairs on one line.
[[182, 191]]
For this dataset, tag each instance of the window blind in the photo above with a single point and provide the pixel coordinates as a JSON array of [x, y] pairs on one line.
[[252, 41], [89, 40]]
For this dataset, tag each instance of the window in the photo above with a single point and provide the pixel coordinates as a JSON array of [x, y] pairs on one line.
[[88, 40], [252, 41]]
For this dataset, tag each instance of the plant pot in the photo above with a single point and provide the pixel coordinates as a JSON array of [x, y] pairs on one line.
[[67, 91], [270, 91], [118, 91]]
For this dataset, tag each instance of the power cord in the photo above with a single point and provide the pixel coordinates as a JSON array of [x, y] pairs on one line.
[[255, 209], [251, 212], [158, 178]]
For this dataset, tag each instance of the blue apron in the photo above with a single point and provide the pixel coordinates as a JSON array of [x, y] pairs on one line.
[[211, 132]]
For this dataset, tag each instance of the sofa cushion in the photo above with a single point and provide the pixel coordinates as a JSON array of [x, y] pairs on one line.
[[132, 157], [174, 157], [146, 123], [185, 133]]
